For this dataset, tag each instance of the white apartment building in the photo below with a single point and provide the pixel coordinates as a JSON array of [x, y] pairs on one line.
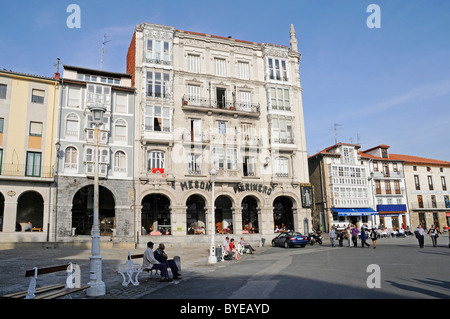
[[342, 188], [208, 102], [388, 179], [80, 88]]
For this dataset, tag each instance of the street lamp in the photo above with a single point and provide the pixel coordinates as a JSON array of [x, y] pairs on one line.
[[96, 285], [212, 259]]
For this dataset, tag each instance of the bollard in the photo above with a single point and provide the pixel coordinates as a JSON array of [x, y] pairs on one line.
[[219, 253]]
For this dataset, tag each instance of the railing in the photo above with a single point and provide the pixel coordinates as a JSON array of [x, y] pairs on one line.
[[287, 140], [218, 104], [428, 204], [398, 174], [21, 170]]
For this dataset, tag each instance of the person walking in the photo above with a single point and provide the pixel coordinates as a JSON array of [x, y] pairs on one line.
[[420, 234], [373, 237], [363, 238], [355, 233], [434, 235], [348, 235], [332, 235]]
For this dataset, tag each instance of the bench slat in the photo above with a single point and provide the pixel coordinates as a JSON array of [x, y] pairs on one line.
[[60, 293], [22, 294], [137, 256], [48, 270]]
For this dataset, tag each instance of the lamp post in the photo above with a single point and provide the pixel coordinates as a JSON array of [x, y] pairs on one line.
[[97, 286], [212, 259]]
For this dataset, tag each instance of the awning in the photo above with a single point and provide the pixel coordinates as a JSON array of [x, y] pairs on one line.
[[354, 211], [393, 209]]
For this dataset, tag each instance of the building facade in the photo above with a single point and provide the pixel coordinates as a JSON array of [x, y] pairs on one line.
[[206, 102], [428, 194], [80, 88], [28, 125], [388, 178], [343, 192]]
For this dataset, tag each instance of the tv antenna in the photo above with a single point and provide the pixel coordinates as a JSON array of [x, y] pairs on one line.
[[335, 132], [103, 50]]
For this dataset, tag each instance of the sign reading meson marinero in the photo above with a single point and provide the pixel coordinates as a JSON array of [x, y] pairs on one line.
[[240, 187]]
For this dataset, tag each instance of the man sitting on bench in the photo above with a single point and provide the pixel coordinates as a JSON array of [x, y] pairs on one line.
[[150, 263], [161, 256]]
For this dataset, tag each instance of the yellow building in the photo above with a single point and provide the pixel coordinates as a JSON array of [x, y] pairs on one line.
[[28, 125]]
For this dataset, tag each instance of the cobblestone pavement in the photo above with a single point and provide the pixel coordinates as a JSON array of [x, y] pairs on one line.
[[14, 263]]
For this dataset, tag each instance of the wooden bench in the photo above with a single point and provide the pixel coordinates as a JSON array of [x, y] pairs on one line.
[[51, 291]]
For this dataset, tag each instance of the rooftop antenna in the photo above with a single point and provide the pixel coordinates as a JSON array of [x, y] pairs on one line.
[[335, 132], [103, 50]]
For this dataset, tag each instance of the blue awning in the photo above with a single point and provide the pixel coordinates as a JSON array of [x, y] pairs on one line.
[[400, 208], [354, 211]]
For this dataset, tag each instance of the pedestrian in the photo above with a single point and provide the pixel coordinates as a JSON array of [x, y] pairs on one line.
[[363, 238], [420, 233], [332, 235], [348, 235], [433, 232], [373, 236], [355, 233], [341, 237]]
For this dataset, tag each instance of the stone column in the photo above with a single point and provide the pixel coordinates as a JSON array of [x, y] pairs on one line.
[[178, 220], [237, 220], [265, 219]]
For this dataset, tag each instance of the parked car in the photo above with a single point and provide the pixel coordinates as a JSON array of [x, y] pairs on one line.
[[290, 239]]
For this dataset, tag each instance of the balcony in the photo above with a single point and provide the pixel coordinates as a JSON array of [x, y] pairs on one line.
[[102, 169], [21, 171], [381, 175], [217, 106], [428, 204]]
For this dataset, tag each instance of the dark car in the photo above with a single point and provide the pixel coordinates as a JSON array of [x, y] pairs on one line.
[[290, 239]]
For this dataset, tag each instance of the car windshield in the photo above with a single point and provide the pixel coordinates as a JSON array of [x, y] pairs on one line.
[[295, 234]]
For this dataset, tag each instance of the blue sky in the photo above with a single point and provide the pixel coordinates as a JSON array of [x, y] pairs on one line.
[[389, 85]]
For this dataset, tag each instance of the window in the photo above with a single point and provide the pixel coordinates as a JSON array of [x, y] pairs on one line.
[[74, 97], [249, 166], [158, 51], [222, 127], [33, 166], [121, 103], [416, 181], [277, 69], [430, 182], [193, 92], [375, 166], [420, 201], [397, 187], [71, 158], [444, 185], [347, 155], [89, 155], [279, 99], [35, 129], [221, 96], [282, 131], [433, 201], [247, 131], [37, 96], [99, 94], [282, 167], [194, 63], [447, 201], [157, 84], [2, 122], [231, 158], [387, 185], [195, 164], [195, 127], [155, 161], [3, 88], [378, 187], [157, 118], [218, 158], [72, 125], [220, 67], [120, 130], [395, 167], [244, 70], [120, 162], [245, 101]]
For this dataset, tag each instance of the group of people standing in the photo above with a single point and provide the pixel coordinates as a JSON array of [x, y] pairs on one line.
[[351, 234], [420, 235]]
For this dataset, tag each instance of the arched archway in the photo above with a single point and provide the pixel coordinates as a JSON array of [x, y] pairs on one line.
[[83, 211], [195, 215], [155, 214], [250, 215], [30, 208], [283, 215], [223, 214]]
